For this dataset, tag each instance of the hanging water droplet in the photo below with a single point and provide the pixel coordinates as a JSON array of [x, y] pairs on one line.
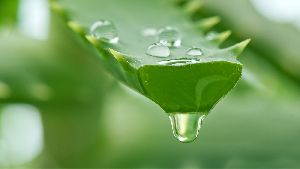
[[194, 51], [158, 50], [169, 36], [178, 62], [186, 126], [105, 30], [149, 32]]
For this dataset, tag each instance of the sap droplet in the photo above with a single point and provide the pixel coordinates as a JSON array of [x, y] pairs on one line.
[[149, 32], [158, 50], [169, 36], [194, 51], [178, 62], [186, 126], [105, 30]]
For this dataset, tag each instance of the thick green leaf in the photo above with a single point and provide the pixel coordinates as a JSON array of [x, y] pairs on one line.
[[185, 87]]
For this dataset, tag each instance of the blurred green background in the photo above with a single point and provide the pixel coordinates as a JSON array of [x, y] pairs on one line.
[[60, 109]]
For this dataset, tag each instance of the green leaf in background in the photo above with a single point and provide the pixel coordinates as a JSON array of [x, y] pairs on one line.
[[67, 88], [8, 11]]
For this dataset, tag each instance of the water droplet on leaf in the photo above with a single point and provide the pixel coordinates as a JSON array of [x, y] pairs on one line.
[[186, 126], [178, 62], [211, 35], [194, 51], [149, 32], [158, 50], [169, 36], [105, 30]]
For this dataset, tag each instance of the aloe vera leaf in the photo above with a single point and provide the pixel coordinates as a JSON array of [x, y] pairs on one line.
[[173, 87]]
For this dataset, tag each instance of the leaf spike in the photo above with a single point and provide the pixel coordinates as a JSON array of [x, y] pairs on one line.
[[56, 7], [92, 40], [237, 49], [116, 54], [193, 6], [219, 38], [208, 23], [75, 27]]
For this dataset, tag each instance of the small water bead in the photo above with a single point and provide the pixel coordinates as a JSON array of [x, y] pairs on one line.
[[194, 51], [158, 50], [178, 62], [186, 126], [149, 32], [169, 36], [105, 30], [211, 35]]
